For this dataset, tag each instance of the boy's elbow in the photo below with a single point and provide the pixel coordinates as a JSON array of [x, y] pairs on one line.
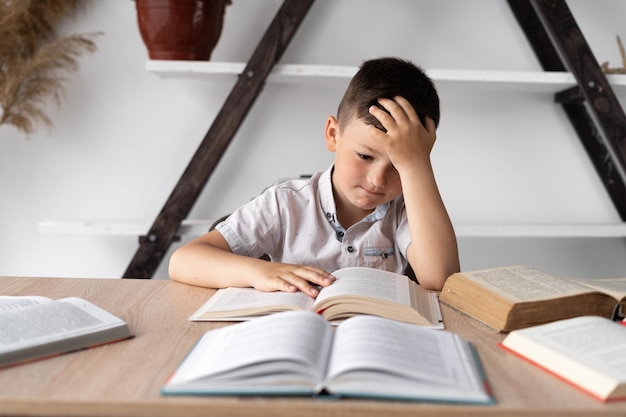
[[435, 280], [174, 269], [434, 283]]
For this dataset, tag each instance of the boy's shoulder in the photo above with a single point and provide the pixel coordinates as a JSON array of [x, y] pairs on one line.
[[290, 195], [302, 185]]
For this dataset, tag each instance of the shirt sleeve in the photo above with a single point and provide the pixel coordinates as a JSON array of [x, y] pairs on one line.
[[403, 234], [254, 229]]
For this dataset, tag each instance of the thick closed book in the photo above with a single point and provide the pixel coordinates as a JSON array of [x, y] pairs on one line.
[[38, 327], [513, 297], [300, 353], [588, 352], [356, 291]]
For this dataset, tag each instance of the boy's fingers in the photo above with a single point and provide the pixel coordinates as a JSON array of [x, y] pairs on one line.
[[407, 108], [294, 283], [317, 275], [383, 117], [302, 278]]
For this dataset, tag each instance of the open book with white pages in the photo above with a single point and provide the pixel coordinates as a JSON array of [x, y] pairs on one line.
[[34, 327], [300, 353], [356, 291]]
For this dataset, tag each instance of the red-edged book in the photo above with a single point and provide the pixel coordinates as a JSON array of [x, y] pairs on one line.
[[588, 352]]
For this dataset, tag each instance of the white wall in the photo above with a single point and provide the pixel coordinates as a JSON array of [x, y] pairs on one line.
[[123, 136]]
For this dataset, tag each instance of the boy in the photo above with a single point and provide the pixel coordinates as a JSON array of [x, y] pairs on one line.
[[378, 205]]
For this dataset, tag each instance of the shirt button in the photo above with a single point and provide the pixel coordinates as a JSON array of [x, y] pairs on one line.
[[339, 235], [350, 249]]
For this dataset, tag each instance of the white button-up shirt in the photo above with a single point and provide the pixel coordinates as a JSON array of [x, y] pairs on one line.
[[295, 222]]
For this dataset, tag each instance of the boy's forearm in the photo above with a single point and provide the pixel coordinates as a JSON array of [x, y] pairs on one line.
[[433, 253], [205, 266], [209, 262]]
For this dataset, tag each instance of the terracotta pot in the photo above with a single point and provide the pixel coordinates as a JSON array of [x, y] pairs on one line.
[[180, 29]]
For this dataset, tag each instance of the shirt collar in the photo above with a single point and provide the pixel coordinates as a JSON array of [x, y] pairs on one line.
[[327, 199]]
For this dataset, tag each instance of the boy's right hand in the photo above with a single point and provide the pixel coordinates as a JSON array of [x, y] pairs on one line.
[[275, 276]]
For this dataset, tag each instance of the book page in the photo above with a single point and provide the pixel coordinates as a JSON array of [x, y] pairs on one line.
[[227, 303], [299, 338], [522, 283], [12, 302], [50, 321], [594, 342], [386, 346], [615, 287], [367, 282]]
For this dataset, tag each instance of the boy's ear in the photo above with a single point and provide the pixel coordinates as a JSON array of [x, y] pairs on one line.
[[331, 132]]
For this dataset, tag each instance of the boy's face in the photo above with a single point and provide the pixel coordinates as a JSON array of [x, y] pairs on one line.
[[363, 177]]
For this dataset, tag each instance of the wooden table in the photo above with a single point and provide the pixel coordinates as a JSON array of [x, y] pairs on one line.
[[123, 379]]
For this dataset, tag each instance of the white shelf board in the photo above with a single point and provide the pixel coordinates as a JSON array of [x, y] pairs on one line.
[[117, 228], [543, 230], [199, 227], [169, 69], [523, 80]]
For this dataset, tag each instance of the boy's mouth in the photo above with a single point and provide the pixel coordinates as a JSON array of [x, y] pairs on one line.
[[371, 192]]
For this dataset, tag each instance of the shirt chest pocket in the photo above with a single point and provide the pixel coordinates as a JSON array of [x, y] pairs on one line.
[[380, 257]]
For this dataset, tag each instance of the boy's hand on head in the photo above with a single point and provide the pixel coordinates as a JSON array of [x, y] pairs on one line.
[[275, 276], [406, 139]]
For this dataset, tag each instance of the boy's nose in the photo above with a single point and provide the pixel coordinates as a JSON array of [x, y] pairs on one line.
[[377, 177]]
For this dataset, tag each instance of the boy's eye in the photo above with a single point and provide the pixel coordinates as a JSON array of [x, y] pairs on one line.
[[364, 157]]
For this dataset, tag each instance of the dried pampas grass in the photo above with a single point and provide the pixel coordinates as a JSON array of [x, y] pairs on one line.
[[605, 65], [32, 60]]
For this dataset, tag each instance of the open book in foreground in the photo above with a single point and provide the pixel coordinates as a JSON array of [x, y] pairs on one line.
[[587, 351], [37, 327], [300, 353], [356, 291], [513, 297]]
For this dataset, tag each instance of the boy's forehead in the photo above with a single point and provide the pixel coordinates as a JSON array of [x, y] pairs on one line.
[[360, 140], [357, 131]]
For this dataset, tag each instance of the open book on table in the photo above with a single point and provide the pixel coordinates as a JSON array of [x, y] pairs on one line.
[[300, 353], [513, 297], [356, 290], [36, 327], [587, 351]]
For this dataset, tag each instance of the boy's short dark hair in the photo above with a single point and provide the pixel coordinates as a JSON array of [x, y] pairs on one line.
[[388, 77]]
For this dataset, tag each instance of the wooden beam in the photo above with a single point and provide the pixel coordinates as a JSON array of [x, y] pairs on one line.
[[536, 35], [592, 107], [153, 247]]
